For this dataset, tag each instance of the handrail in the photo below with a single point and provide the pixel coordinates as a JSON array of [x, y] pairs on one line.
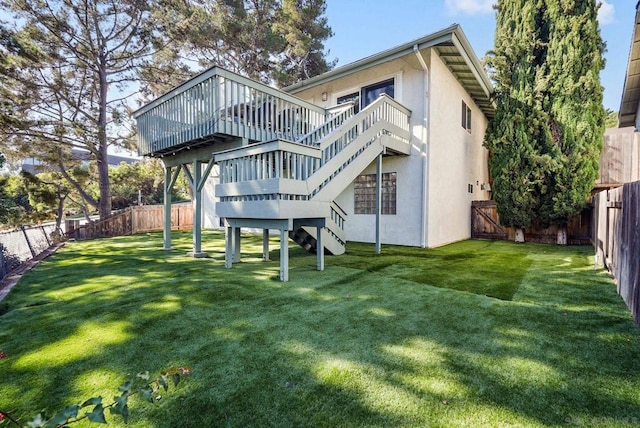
[[350, 123], [219, 102], [219, 71], [340, 108], [286, 160], [269, 146], [338, 117]]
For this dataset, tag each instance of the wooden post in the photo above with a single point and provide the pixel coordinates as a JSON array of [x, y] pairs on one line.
[[378, 201], [284, 255], [168, 183], [197, 209], [320, 248], [265, 245], [236, 244], [228, 247]]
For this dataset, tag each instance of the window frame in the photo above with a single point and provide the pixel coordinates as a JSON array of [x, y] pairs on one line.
[[397, 88], [364, 194], [350, 96], [466, 117]]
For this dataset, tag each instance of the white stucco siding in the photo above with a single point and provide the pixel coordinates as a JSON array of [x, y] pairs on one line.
[[404, 228], [456, 158], [210, 220]]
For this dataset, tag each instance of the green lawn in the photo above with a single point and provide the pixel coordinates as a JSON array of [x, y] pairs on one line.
[[472, 334]]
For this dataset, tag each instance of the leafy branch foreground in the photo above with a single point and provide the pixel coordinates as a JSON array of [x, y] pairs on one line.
[[142, 385]]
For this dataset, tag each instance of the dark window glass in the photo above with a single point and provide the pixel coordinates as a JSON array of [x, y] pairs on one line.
[[466, 117], [372, 92], [355, 97]]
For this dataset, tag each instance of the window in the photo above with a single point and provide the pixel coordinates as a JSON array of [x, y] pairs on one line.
[[369, 94], [355, 97], [365, 194], [372, 92], [466, 117]]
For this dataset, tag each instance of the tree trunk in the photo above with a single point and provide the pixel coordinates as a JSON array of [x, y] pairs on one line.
[[104, 204], [59, 214], [519, 235], [562, 235]]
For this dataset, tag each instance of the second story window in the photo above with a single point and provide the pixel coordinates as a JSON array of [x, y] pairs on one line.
[[466, 117], [372, 92], [355, 97]]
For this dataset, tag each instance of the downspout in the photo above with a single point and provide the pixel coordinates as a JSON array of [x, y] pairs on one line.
[[424, 150]]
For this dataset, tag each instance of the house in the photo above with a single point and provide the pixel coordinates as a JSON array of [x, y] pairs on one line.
[[35, 165], [387, 149]]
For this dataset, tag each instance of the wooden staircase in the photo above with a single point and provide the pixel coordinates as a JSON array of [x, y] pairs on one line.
[[300, 180]]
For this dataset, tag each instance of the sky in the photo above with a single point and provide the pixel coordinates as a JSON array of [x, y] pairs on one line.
[[365, 27]]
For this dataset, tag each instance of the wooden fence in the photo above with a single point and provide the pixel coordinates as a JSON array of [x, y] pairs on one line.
[[136, 219], [620, 160], [485, 224], [617, 240]]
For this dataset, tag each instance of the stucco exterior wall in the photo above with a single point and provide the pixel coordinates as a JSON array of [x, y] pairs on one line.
[[404, 228], [210, 220], [456, 158]]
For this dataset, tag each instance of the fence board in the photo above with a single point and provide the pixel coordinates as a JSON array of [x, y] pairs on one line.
[[136, 219], [617, 240], [485, 224], [485, 221]]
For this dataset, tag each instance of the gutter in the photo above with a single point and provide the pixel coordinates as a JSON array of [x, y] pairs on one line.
[[443, 36], [424, 238]]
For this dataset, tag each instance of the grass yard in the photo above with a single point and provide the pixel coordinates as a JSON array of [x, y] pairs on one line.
[[472, 334]]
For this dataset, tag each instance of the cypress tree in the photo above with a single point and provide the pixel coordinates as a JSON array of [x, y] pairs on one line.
[[574, 105], [516, 137], [546, 137]]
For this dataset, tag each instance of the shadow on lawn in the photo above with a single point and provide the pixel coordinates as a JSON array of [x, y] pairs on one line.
[[339, 348]]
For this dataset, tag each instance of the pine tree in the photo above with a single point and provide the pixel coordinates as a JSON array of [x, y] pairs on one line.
[[545, 139], [274, 41], [65, 67]]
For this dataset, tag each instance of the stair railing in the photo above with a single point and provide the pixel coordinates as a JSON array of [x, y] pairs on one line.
[[295, 162], [336, 116]]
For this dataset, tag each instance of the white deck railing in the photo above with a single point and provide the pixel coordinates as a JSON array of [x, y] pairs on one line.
[[221, 102], [242, 168]]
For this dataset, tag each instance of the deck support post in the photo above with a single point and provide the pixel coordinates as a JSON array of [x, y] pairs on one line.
[[320, 248], [232, 240], [228, 247], [236, 245], [196, 181], [169, 180], [166, 230], [378, 201], [284, 255], [265, 245]]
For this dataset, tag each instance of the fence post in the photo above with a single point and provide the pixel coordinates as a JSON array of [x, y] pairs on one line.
[[134, 220], [24, 231], [44, 232], [3, 270]]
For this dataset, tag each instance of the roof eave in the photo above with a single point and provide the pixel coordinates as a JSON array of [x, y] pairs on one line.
[[631, 90], [452, 36]]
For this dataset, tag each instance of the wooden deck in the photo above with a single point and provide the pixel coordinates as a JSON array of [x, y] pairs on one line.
[[219, 105]]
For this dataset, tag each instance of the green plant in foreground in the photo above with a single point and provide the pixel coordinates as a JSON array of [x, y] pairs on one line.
[[142, 385]]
